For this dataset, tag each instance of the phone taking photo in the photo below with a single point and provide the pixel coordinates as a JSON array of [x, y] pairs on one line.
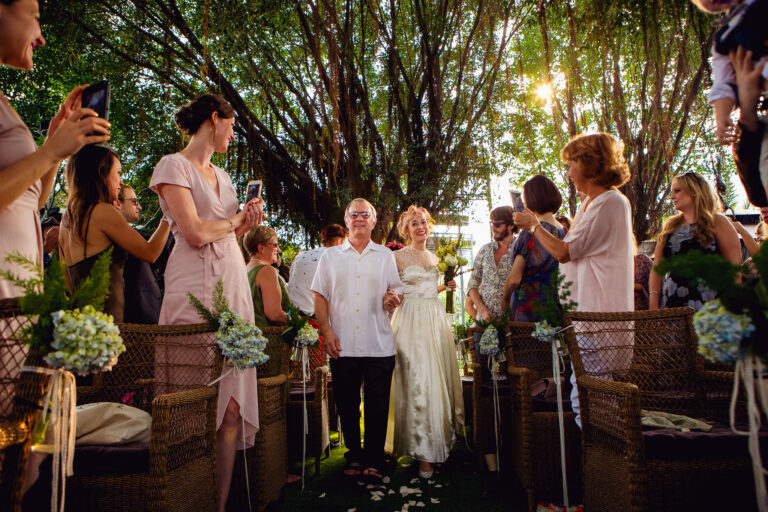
[[253, 190], [96, 97], [517, 200]]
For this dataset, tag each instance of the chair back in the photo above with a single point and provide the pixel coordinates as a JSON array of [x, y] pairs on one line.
[[654, 350], [474, 334], [523, 350], [13, 353], [317, 359], [159, 359], [278, 351]]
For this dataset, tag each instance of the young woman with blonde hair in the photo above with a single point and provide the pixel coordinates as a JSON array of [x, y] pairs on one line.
[[427, 405], [699, 226]]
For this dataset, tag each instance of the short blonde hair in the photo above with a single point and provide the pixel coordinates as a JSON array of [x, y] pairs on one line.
[[601, 156], [360, 200], [402, 223], [260, 235]]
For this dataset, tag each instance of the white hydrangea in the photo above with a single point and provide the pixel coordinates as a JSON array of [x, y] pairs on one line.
[[85, 341], [307, 336], [241, 343], [544, 331]]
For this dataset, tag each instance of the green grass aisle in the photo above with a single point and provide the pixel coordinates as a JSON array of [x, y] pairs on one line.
[[458, 486]]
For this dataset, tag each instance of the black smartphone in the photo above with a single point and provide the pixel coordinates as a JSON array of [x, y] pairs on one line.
[[96, 97], [517, 200], [253, 190]]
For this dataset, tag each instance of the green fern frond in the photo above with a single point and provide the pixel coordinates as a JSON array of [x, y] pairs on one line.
[[220, 303], [205, 313]]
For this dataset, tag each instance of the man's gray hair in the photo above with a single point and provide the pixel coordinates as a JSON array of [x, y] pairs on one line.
[[359, 200]]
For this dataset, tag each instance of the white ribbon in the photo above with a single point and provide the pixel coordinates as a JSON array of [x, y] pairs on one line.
[[62, 397], [242, 432], [493, 362], [745, 369], [304, 371]]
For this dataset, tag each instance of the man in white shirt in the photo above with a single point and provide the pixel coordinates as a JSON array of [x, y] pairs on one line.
[[304, 266], [356, 286]]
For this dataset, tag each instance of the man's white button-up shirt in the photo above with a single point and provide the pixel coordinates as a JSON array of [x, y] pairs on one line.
[[354, 284]]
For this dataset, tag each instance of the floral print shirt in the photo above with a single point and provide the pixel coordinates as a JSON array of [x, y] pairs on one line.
[[489, 278], [679, 292], [300, 279]]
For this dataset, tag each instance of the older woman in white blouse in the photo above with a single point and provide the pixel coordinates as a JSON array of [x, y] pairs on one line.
[[597, 251]]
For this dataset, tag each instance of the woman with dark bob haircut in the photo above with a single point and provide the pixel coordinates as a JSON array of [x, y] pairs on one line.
[[532, 265], [597, 251], [201, 203]]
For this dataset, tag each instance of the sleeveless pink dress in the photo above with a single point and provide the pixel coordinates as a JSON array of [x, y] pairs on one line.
[[20, 221], [198, 270]]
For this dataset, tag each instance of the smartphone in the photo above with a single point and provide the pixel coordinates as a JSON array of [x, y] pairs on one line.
[[253, 190], [96, 97], [517, 200]]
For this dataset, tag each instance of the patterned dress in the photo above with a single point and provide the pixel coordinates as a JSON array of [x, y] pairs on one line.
[[677, 291], [539, 267]]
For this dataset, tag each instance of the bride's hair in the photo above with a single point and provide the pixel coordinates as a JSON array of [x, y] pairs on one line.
[[402, 223]]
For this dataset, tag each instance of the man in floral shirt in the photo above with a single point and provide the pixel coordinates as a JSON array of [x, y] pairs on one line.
[[492, 265]]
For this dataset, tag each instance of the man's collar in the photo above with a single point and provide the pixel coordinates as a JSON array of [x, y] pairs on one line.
[[370, 247]]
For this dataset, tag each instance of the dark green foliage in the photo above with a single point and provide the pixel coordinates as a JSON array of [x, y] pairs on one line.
[[46, 293], [220, 305], [295, 320], [748, 297], [554, 301]]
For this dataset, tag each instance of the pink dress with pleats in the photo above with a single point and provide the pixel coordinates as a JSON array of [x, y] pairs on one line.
[[198, 270], [20, 221]]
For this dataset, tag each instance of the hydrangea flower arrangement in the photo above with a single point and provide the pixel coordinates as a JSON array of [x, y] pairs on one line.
[[720, 332], [489, 341], [728, 327], [85, 341], [241, 343], [544, 331], [300, 332], [307, 337]]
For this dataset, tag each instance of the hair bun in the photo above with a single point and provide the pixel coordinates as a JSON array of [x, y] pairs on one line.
[[184, 119]]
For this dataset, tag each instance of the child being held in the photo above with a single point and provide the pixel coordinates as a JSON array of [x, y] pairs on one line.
[[723, 95]]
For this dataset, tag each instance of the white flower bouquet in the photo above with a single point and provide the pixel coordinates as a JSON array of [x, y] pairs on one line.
[[84, 341], [307, 336]]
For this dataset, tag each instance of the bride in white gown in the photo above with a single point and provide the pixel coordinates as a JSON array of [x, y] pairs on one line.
[[427, 400]]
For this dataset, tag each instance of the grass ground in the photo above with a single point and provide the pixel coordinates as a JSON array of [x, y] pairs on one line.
[[458, 486]]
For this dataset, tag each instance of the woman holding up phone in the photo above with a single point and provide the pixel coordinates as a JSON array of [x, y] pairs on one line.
[[26, 172], [201, 203]]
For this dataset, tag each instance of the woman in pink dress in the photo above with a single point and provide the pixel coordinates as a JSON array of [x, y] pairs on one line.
[[596, 254], [26, 172], [200, 201]]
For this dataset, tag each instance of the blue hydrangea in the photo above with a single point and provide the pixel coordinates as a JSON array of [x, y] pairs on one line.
[[241, 343], [489, 341], [544, 331], [721, 332], [307, 336], [84, 341]]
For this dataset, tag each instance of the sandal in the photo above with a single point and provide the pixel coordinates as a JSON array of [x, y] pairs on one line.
[[353, 469], [373, 475]]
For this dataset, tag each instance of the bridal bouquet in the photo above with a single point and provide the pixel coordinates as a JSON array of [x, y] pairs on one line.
[[241, 343], [448, 263]]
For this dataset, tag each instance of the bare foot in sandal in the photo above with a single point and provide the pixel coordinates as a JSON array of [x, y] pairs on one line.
[[353, 469], [373, 475]]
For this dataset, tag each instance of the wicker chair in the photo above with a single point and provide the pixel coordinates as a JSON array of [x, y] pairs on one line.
[[647, 360], [483, 432], [165, 369], [267, 459], [535, 428], [21, 395], [318, 437]]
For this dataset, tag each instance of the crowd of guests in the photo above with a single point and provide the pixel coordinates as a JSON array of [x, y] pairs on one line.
[[383, 325]]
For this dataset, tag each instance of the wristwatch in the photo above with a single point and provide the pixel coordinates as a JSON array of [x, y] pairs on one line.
[[533, 228]]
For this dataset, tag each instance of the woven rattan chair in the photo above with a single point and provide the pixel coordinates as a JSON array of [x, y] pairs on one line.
[[648, 360], [267, 460], [20, 397], [318, 437], [483, 431], [165, 370], [535, 430]]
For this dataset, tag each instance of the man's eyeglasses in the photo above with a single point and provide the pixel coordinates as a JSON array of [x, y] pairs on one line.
[[498, 223], [355, 215], [134, 200], [274, 244]]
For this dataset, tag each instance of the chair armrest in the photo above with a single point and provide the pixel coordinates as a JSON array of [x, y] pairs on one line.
[[12, 431], [610, 416], [271, 382], [183, 429], [321, 378]]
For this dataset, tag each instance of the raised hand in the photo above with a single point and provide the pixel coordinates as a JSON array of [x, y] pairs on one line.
[[71, 133]]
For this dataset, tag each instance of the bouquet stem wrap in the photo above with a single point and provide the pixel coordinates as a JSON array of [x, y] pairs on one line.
[[62, 399], [448, 276]]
